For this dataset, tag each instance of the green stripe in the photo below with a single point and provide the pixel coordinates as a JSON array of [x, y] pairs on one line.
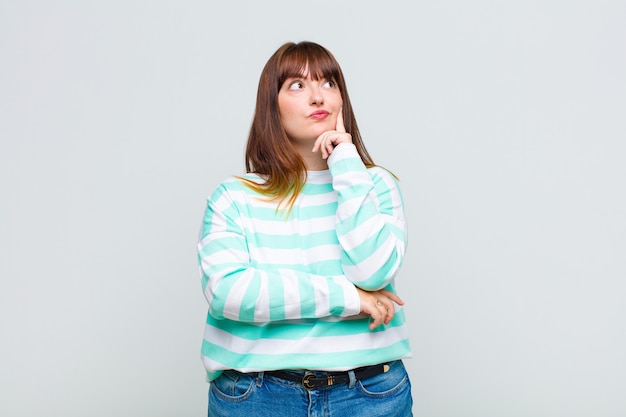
[[300, 213], [356, 219], [277, 299], [231, 213], [248, 304], [317, 189], [225, 268], [307, 298], [355, 191], [336, 298], [228, 243], [347, 166], [217, 303], [383, 194], [306, 360], [325, 268]]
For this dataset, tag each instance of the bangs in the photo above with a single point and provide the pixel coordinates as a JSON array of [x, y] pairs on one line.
[[306, 59]]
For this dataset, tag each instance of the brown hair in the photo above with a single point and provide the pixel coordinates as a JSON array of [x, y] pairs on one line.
[[269, 152]]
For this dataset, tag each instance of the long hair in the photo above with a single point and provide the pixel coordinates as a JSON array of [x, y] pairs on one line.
[[269, 153]]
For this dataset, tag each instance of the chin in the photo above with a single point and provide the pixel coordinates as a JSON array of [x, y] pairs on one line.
[[319, 129]]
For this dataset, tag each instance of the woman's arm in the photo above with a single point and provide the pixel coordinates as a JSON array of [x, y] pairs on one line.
[[238, 290], [371, 227]]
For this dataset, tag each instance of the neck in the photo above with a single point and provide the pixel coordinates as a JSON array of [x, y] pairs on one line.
[[312, 160], [315, 163]]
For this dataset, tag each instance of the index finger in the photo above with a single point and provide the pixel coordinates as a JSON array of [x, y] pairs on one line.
[[340, 127], [393, 297]]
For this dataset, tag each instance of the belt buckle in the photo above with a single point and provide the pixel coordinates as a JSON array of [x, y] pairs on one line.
[[306, 381]]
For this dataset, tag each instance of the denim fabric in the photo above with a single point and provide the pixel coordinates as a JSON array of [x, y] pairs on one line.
[[234, 394]]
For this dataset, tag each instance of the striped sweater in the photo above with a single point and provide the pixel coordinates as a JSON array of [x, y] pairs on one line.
[[281, 286]]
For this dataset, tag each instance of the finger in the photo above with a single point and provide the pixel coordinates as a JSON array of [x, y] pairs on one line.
[[388, 309], [317, 146], [340, 126], [377, 319], [391, 312], [329, 147], [322, 148], [393, 297]]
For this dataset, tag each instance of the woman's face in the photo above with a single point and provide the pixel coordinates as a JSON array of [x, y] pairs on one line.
[[308, 108]]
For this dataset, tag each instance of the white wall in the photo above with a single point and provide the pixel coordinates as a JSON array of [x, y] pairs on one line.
[[504, 120]]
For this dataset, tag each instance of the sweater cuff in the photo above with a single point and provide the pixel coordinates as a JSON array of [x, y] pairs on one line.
[[352, 302], [342, 151]]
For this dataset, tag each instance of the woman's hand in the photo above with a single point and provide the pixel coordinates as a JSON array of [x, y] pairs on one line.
[[379, 305], [327, 141]]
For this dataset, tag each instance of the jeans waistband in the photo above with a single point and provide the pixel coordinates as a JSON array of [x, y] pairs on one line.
[[319, 379]]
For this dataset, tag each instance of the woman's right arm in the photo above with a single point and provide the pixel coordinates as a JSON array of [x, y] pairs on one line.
[[237, 290]]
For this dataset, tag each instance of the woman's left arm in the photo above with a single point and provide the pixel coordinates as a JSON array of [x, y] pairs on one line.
[[371, 227]]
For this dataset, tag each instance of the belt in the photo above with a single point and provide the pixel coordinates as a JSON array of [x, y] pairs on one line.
[[312, 381]]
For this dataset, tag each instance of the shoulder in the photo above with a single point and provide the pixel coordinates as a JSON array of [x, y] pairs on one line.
[[379, 173], [234, 185], [385, 181]]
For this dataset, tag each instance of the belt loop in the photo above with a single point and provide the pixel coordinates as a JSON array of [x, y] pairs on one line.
[[352, 377], [259, 379]]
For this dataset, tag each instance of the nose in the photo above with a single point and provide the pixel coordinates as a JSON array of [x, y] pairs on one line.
[[316, 96]]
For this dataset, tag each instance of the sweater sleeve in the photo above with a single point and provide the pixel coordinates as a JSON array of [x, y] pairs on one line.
[[371, 227], [236, 288]]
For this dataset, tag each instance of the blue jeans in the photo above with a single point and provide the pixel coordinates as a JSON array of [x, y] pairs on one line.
[[235, 394]]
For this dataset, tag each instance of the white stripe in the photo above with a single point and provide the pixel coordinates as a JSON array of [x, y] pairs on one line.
[[322, 299], [277, 256], [352, 179], [282, 227], [349, 207], [296, 256], [291, 296], [343, 151], [351, 300], [323, 253], [317, 199]]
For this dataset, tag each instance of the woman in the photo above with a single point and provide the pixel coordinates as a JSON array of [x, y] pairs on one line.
[[298, 259]]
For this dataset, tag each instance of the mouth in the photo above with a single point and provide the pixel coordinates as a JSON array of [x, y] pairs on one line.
[[319, 115]]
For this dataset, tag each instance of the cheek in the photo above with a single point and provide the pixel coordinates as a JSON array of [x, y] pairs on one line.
[[282, 104], [288, 123], [286, 111], [286, 118], [335, 102]]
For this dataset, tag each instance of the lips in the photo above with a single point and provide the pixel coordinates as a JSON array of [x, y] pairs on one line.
[[319, 115]]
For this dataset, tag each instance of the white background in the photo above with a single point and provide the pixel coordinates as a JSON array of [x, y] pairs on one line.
[[505, 122]]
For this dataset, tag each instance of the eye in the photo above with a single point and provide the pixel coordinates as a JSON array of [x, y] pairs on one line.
[[330, 84], [296, 85]]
